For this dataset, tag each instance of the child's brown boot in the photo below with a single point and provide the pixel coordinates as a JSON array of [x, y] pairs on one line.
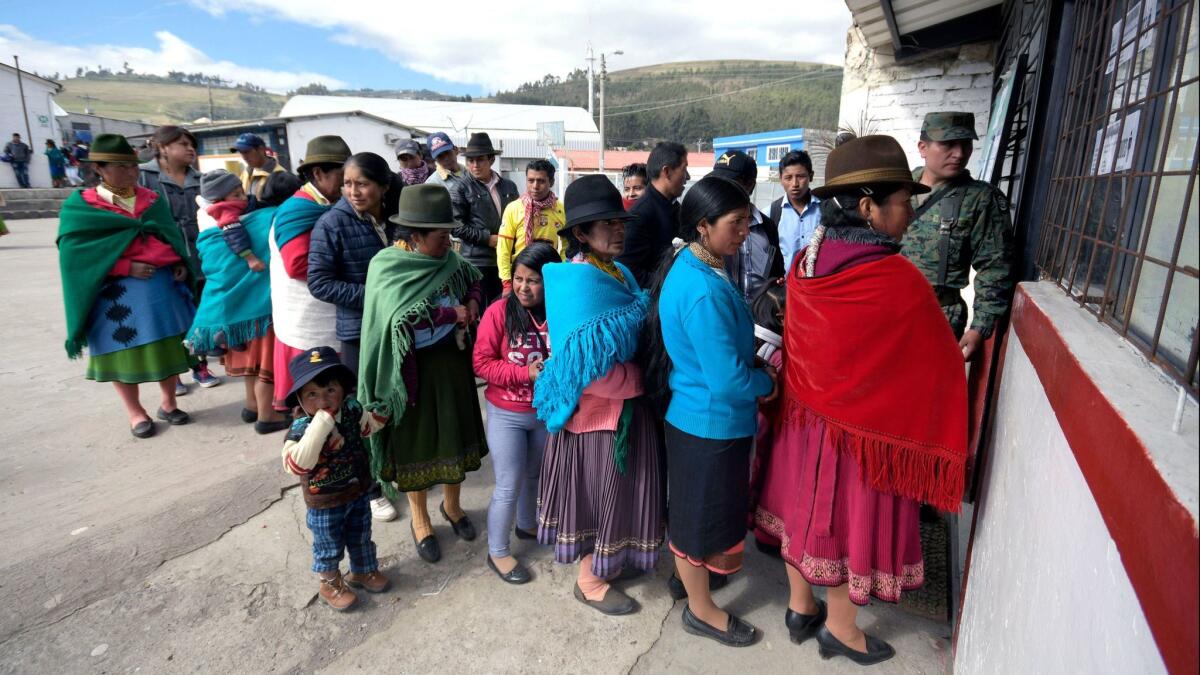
[[335, 592], [372, 582]]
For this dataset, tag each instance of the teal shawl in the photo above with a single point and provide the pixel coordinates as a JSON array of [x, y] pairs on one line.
[[295, 216], [236, 301], [594, 322]]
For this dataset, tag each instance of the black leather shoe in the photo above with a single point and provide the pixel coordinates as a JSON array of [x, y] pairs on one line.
[[737, 633], [878, 651], [143, 429], [769, 549], [526, 534], [614, 603], [249, 416], [803, 626], [517, 575], [676, 589], [428, 548], [175, 418], [463, 528], [272, 427]]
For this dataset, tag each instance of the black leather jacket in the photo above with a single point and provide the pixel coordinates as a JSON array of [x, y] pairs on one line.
[[477, 216]]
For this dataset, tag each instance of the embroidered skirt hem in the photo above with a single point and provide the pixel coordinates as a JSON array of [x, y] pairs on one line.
[[151, 362]]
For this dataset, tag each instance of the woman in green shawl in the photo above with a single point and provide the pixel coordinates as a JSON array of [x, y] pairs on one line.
[[415, 364], [126, 284]]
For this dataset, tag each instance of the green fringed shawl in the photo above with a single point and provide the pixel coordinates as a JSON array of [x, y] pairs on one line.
[[90, 241]]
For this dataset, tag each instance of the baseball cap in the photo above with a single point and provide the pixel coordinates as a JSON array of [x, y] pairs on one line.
[[735, 164], [439, 143], [247, 141], [949, 126], [407, 146]]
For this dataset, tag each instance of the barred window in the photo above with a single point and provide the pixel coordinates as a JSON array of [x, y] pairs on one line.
[[1120, 230]]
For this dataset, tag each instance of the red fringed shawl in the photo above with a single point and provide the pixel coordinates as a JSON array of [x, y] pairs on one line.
[[870, 353]]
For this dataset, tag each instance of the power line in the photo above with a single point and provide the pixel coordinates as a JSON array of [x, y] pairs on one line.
[[728, 93]]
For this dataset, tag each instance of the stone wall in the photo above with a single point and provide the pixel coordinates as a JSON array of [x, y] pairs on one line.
[[882, 96]]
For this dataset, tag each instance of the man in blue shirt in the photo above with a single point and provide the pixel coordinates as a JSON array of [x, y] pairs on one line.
[[797, 212]]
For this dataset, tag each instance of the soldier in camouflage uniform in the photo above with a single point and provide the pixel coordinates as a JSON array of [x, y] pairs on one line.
[[962, 223]]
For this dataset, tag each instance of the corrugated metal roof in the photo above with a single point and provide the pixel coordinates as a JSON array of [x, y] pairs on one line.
[[911, 15]]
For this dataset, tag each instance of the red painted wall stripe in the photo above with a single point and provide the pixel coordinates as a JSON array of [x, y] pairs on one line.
[[1154, 533]]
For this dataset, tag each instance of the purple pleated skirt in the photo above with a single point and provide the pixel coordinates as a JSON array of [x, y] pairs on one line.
[[586, 506]]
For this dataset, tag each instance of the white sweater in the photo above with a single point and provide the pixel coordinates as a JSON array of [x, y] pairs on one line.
[[301, 321]]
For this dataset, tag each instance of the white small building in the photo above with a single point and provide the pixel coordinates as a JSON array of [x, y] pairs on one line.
[[37, 103], [513, 128]]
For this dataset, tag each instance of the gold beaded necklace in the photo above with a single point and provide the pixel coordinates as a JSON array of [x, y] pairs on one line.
[[606, 266], [705, 256]]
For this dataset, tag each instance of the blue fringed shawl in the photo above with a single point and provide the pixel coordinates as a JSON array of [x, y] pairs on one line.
[[236, 301], [594, 322]]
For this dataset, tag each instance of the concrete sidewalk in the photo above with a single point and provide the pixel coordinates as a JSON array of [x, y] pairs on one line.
[[189, 552]]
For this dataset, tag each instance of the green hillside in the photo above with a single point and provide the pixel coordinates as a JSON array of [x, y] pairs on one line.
[[161, 102], [694, 100]]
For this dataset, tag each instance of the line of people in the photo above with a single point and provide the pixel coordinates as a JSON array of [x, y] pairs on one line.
[[637, 368]]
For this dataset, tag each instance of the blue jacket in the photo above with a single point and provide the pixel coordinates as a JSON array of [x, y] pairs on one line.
[[709, 335], [342, 246]]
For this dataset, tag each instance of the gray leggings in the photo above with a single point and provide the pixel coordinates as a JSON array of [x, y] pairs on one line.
[[516, 442]]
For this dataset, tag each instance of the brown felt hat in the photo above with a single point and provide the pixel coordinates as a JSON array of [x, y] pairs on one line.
[[866, 161]]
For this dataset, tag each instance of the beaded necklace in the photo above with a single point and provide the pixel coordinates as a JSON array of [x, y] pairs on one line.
[[606, 266], [705, 256]]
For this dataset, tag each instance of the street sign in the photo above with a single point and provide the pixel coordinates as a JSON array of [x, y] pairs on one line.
[[552, 134]]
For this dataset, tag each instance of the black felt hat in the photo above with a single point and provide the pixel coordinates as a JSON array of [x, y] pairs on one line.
[[591, 198], [480, 145]]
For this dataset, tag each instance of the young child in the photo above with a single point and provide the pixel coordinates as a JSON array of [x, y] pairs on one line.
[[325, 448], [767, 308], [222, 202]]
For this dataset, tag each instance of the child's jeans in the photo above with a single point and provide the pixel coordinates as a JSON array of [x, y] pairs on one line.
[[340, 528]]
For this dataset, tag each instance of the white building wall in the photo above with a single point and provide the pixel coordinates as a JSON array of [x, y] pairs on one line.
[[1046, 591], [883, 97], [362, 134], [39, 102]]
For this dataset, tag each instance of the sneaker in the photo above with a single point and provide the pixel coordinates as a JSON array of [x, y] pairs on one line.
[[181, 389], [382, 509], [335, 593], [204, 378]]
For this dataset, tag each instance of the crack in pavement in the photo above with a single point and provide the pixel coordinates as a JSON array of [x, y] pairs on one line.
[[662, 625]]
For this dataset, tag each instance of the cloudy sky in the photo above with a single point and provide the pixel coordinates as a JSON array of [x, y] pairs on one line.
[[476, 48]]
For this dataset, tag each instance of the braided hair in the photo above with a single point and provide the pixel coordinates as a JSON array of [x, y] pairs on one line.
[[841, 210]]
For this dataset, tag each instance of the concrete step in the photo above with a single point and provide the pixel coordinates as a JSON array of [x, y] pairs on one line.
[[20, 194], [25, 214], [32, 205]]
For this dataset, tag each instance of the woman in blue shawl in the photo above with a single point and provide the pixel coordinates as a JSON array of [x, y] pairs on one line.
[[601, 493]]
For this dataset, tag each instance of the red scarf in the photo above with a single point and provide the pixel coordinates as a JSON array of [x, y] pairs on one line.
[[870, 353], [533, 212]]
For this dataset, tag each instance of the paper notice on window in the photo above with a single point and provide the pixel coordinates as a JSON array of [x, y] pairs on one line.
[[1115, 145], [1124, 30]]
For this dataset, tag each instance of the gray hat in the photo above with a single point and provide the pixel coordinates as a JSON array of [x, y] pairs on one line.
[[407, 146], [217, 183]]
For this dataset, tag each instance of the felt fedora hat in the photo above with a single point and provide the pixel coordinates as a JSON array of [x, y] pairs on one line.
[[325, 150], [111, 148], [866, 161], [480, 145], [592, 198], [425, 206]]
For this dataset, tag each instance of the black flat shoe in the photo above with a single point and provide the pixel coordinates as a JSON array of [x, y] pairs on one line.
[[175, 418], [676, 589], [143, 429], [614, 603], [463, 528], [769, 549], [249, 416], [803, 626], [526, 534], [517, 575], [737, 633], [878, 651], [428, 548], [272, 427]]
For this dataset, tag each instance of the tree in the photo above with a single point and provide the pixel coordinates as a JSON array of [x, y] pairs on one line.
[[79, 71], [313, 89]]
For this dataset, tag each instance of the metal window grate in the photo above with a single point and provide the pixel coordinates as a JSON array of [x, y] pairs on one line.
[[1120, 222]]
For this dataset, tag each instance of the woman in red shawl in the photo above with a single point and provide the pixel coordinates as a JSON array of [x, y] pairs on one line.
[[873, 418]]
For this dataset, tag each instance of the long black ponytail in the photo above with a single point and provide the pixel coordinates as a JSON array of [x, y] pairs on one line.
[[707, 200]]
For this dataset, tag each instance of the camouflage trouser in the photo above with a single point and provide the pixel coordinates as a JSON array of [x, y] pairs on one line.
[[956, 314]]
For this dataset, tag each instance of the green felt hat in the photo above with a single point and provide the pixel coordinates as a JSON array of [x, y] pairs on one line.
[[111, 148], [425, 206], [325, 150]]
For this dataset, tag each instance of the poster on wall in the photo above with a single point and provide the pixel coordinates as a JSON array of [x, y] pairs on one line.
[[1113, 152]]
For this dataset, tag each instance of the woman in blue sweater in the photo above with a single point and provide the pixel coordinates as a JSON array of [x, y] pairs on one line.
[[702, 345]]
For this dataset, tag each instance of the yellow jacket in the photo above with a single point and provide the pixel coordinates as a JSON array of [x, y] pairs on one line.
[[511, 238], [253, 181]]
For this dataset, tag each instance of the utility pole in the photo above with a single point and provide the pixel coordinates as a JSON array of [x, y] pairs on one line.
[[603, 77], [25, 111], [211, 114], [591, 59]]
